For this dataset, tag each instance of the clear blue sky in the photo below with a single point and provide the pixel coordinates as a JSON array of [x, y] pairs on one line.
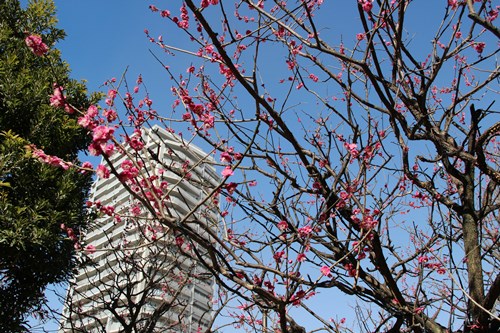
[[106, 37]]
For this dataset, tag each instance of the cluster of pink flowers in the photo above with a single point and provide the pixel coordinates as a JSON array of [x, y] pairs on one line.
[[352, 148], [135, 210], [183, 23], [368, 220], [305, 231], [88, 119], [493, 14], [326, 271], [50, 160], [58, 100], [102, 171], [436, 266], [351, 269], [279, 256], [283, 225], [231, 187], [367, 5], [478, 46], [90, 249], [206, 3], [454, 4], [36, 45], [227, 157], [71, 235], [100, 137], [129, 171], [135, 140], [301, 295]]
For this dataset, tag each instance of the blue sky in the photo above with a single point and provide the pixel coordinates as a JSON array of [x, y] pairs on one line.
[[106, 37]]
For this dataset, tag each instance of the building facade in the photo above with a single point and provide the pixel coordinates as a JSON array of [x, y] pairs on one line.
[[139, 276]]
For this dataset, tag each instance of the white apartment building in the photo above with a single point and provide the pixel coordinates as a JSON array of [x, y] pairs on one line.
[[137, 275]]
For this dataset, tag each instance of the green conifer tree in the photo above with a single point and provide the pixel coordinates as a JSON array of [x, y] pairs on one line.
[[35, 199]]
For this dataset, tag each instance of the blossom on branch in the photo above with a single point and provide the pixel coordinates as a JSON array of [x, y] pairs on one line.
[[50, 160], [227, 172], [36, 45]]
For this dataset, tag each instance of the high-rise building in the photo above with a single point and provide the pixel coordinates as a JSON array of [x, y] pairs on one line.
[[138, 277]]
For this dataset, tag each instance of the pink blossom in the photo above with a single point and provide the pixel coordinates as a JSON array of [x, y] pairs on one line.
[[367, 5], [102, 171], [87, 165], [344, 195], [301, 257], [36, 45], [135, 210], [419, 310], [441, 270], [108, 150], [317, 185], [85, 121], [112, 93], [282, 225], [88, 121], [479, 47], [135, 142], [227, 172], [296, 299], [493, 14], [453, 3], [313, 77], [102, 133], [304, 231], [279, 255], [50, 160], [110, 114], [208, 120], [352, 148], [325, 270], [129, 171], [94, 149], [90, 249], [57, 98], [231, 187], [226, 157], [360, 36], [351, 270], [92, 111]]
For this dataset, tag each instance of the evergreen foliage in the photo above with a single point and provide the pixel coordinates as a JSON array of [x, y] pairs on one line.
[[35, 199]]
